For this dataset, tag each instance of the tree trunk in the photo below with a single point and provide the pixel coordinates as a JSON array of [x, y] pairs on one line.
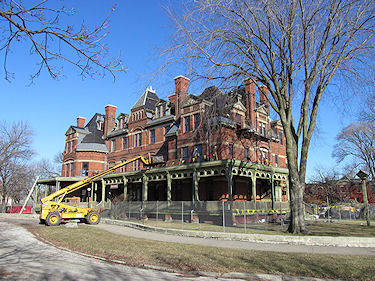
[[297, 221]]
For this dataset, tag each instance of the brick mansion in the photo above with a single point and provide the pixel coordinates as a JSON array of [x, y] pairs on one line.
[[214, 146]]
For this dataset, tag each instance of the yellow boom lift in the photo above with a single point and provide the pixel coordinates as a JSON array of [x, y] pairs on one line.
[[53, 210]]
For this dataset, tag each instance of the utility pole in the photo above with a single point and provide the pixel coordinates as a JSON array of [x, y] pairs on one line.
[[363, 176]]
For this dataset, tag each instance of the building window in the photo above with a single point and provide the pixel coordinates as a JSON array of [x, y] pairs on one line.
[[187, 124], [67, 170], [152, 137], [246, 153], [281, 137], [124, 143], [262, 129], [164, 110], [238, 119], [197, 120], [185, 153], [137, 165], [199, 148], [113, 145], [138, 139], [73, 144], [72, 169], [231, 150], [166, 154], [277, 160], [85, 168]]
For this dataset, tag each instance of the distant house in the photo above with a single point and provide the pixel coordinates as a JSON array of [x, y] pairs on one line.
[[344, 189]]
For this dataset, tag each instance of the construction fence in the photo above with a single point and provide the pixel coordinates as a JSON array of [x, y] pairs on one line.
[[238, 214], [338, 211]]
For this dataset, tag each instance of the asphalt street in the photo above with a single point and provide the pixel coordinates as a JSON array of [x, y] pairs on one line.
[[23, 257]]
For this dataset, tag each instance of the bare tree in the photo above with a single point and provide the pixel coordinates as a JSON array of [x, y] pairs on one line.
[[323, 186], [47, 169], [15, 142], [58, 158], [357, 141], [15, 151], [39, 25], [368, 113], [295, 48]]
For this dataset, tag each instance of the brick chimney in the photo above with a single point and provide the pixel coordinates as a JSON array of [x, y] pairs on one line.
[[182, 90], [250, 100], [263, 94], [81, 122], [110, 118]]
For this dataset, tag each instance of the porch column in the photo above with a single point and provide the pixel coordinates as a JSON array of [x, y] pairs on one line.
[[144, 187], [169, 187], [57, 185], [103, 191], [92, 191], [230, 183], [95, 191], [45, 190], [195, 186], [125, 179], [287, 188], [254, 187], [272, 191]]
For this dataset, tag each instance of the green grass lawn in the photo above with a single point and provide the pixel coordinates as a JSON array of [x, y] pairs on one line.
[[318, 228], [137, 252]]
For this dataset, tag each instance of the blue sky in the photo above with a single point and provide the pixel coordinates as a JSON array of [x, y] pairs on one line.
[[137, 29]]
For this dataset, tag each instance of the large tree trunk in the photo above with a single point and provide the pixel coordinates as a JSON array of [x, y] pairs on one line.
[[297, 221]]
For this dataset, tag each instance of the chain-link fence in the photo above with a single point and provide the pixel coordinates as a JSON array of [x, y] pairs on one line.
[[203, 215]]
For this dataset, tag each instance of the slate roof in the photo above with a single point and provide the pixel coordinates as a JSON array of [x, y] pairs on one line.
[[172, 131], [160, 120], [95, 135], [148, 100], [117, 133], [92, 147]]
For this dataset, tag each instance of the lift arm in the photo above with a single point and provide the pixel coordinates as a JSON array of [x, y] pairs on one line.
[[75, 186]]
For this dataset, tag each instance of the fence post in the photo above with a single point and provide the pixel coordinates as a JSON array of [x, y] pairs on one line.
[[182, 214], [244, 215], [223, 215], [157, 212]]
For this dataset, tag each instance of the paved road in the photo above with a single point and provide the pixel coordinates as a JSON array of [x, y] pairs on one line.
[[23, 257], [274, 247]]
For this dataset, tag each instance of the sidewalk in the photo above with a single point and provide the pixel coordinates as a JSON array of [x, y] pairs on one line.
[[276, 243]]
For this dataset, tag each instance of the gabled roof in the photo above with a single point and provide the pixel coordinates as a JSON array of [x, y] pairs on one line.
[[73, 129], [262, 109], [190, 100], [147, 100]]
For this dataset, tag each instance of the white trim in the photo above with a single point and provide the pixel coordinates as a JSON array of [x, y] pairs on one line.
[[181, 76]]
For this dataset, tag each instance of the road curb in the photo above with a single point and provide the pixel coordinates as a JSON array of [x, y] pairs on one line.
[[340, 241]]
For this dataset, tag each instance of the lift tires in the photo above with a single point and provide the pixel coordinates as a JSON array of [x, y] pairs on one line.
[[93, 217], [53, 219]]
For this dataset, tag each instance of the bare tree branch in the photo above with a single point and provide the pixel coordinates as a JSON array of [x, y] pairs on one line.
[[294, 48], [53, 42]]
